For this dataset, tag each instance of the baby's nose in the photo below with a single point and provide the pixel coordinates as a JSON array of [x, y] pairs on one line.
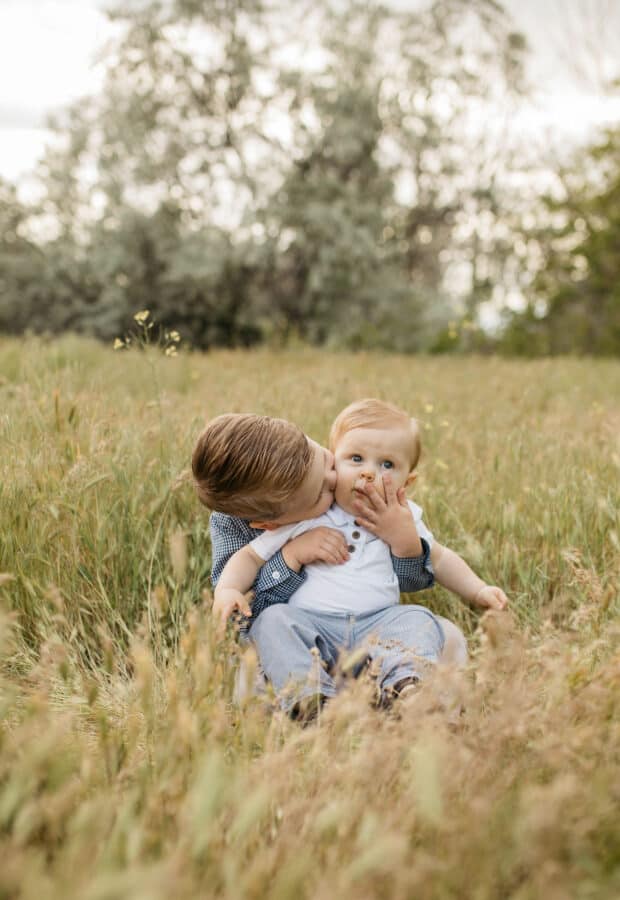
[[368, 476]]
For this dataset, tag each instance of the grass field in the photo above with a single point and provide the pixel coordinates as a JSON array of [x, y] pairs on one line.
[[127, 770]]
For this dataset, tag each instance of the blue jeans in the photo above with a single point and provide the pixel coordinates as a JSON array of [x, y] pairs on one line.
[[300, 649]]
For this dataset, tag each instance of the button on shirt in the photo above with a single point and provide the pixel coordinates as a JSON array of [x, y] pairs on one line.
[[365, 583]]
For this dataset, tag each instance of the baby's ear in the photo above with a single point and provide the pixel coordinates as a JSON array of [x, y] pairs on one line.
[[411, 477]]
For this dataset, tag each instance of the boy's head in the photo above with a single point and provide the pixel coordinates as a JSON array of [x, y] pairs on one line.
[[262, 469], [371, 438]]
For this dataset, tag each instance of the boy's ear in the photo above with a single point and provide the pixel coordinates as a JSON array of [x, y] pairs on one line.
[[411, 477], [265, 526]]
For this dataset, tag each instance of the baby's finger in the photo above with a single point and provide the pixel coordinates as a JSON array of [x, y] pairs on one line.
[[390, 493], [401, 496], [366, 493], [376, 500], [365, 523], [360, 497], [362, 510], [501, 599], [495, 599], [363, 503]]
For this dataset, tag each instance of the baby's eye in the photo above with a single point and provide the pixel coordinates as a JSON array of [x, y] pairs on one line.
[[387, 464], [356, 457]]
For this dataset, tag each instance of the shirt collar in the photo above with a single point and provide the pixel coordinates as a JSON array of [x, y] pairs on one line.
[[338, 516]]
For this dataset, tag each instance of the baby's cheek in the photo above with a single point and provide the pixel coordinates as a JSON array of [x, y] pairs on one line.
[[342, 491]]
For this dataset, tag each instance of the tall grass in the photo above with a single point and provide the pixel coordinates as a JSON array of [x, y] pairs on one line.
[[128, 769]]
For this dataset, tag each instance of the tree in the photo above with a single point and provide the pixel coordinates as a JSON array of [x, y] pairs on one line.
[[255, 167], [23, 273], [576, 307]]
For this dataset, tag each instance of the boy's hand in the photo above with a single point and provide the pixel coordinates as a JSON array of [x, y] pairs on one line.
[[491, 597], [317, 545], [226, 601], [388, 519]]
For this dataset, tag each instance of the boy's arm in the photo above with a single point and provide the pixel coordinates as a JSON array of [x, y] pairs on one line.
[[453, 573], [276, 582], [236, 579]]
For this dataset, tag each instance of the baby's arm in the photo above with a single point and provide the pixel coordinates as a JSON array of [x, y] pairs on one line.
[[237, 578], [391, 520], [453, 573]]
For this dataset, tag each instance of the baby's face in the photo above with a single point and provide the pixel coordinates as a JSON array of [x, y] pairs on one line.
[[367, 454]]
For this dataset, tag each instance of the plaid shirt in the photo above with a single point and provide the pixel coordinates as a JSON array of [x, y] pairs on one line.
[[276, 583]]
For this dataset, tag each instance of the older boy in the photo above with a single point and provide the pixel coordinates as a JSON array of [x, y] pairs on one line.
[[352, 552]]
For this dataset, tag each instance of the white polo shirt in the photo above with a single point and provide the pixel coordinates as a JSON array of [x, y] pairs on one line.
[[365, 583]]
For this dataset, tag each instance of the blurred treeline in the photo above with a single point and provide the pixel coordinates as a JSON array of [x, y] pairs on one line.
[[329, 171]]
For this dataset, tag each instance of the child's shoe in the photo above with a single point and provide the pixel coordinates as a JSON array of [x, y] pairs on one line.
[[397, 691], [307, 709]]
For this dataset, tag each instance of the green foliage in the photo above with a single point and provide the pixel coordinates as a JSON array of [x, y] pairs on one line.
[[577, 305], [22, 265]]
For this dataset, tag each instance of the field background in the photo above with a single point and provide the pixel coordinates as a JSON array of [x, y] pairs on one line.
[[127, 770]]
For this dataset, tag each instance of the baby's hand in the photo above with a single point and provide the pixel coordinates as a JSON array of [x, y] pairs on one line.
[[226, 601], [389, 517], [491, 597], [317, 545]]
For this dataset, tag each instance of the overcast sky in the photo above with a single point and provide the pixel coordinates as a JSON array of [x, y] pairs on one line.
[[47, 48]]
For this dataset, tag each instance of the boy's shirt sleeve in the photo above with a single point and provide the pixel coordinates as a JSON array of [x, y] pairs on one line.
[[276, 583], [267, 544], [415, 573]]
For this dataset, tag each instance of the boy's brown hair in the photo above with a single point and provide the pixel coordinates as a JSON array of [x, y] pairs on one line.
[[370, 413], [249, 466]]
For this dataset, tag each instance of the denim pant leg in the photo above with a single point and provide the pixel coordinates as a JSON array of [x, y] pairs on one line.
[[400, 641], [284, 638], [454, 651]]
